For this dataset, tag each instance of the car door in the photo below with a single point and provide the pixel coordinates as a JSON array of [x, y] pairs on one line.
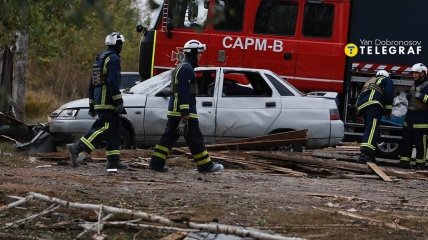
[[247, 105], [205, 103], [155, 116]]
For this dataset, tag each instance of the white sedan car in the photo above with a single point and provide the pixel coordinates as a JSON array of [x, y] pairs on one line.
[[231, 103]]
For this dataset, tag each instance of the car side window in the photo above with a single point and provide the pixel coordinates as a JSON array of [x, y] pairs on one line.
[[206, 83], [229, 15], [245, 84], [283, 90], [277, 17], [318, 20]]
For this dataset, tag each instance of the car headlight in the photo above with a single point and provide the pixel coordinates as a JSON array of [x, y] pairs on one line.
[[68, 113]]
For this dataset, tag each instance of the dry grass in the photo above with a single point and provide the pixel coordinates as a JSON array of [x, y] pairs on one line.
[[39, 104], [11, 157]]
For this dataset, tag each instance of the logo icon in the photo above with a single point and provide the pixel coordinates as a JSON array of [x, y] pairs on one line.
[[177, 56], [351, 50]]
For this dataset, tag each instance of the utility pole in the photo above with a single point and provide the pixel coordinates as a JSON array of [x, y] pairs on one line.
[[20, 74]]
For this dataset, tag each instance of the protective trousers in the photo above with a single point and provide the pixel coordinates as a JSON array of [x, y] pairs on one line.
[[106, 127], [414, 133], [194, 141], [372, 115]]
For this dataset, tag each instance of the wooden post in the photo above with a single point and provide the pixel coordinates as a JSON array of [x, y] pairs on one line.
[[20, 74]]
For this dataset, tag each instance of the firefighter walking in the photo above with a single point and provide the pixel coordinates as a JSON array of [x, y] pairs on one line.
[[374, 101], [105, 100], [182, 115], [416, 121]]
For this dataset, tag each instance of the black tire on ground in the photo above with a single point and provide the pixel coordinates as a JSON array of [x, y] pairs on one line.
[[387, 149]]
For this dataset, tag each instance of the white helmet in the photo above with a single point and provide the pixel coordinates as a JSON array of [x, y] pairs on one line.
[[113, 38], [419, 67], [382, 73], [424, 68], [194, 44]]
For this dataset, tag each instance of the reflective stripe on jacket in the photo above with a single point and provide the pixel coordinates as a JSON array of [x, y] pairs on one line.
[[183, 99], [380, 92]]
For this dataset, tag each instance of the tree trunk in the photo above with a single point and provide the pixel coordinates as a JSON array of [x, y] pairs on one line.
[[20, 74]]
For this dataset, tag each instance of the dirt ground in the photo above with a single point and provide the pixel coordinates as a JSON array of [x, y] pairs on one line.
[[310, 207]]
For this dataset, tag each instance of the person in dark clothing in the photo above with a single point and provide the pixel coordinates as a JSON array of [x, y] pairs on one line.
[[374, 101], [182, 115], [105, 100], [415, 126]]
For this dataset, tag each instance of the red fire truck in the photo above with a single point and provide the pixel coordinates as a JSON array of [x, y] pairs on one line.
[[317, 45]]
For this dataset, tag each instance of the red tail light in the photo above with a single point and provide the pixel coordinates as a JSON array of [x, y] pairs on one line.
[[334, 114]]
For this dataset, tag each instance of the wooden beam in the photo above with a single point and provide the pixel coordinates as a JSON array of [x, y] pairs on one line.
[[296, 158], [254, 144], [379, 172]]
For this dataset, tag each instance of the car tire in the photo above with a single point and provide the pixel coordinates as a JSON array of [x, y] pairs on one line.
[[387, 149], [126, 140]]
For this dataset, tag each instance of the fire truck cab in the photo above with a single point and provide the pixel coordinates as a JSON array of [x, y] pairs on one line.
[[298, 39]]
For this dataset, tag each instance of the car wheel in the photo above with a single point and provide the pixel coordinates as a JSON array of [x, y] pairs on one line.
[[126, 140], [297, 147], [387, 149]]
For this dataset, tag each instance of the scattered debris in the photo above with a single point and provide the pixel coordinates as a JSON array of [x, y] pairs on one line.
[[31, 138], [109, 212], [329, 162]]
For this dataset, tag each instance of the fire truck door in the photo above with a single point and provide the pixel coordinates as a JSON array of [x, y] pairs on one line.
[[225, 46]]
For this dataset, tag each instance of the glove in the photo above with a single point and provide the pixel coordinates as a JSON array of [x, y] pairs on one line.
[[92, 112], [418, 95], [120, 109], [182, 127]]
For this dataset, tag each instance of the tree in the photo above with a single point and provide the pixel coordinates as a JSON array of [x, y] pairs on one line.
[[63, 37]]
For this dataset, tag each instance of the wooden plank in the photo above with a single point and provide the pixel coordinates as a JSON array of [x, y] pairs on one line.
[[379, 172], [252, 145], [256, 164], [269, 137], [296, 158]]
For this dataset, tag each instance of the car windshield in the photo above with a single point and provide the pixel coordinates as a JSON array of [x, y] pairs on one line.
[[151, 84]]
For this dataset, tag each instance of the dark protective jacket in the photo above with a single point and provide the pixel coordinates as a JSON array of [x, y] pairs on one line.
[[418, 97], [417, 113], [184, 90], [104, 91], [378, 90]]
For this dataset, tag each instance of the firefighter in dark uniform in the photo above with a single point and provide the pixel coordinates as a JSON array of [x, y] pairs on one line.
[[105, 100], [374, 101], [182, 116], [415, 126]]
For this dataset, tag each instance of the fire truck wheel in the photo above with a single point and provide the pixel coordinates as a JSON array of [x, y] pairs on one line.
[[387, 149]]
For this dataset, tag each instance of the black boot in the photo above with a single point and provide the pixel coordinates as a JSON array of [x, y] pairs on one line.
[[114, 165], [158, 165], [404, 164], [420, 166], [73, 151]]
